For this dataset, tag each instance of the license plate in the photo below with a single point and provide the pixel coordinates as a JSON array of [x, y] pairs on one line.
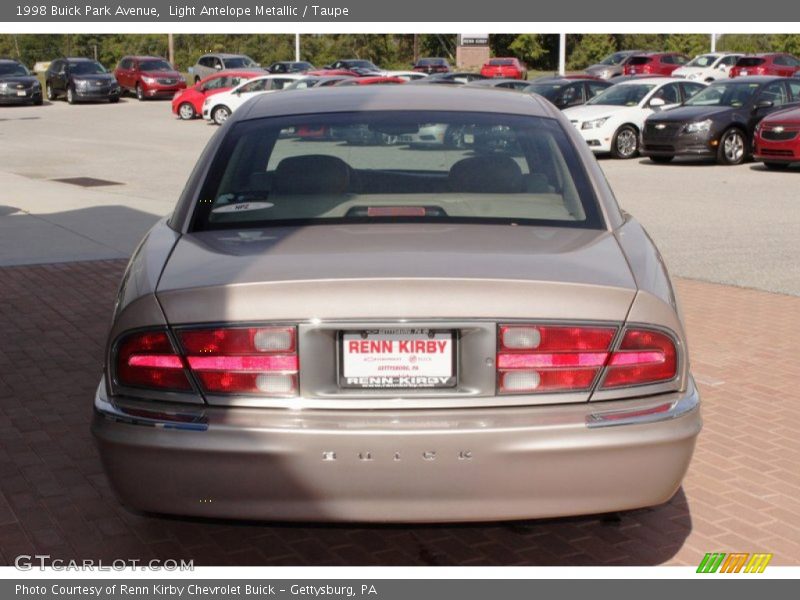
[[397, 359], [744, 72], [21, 93]]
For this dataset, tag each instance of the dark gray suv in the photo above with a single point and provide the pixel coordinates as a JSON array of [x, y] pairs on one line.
[[80, 79]]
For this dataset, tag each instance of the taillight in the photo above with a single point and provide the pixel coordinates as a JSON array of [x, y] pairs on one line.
[[147, 360], [539, 358], [548, 358], [248, 360], [644, 356]]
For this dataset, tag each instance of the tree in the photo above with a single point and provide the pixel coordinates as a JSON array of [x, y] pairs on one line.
[[585, 50]]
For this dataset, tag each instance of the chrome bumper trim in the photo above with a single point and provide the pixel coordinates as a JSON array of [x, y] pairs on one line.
[[660, 411]]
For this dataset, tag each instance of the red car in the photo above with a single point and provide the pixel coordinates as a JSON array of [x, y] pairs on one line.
[[188, 104], [508, 68], [655, 63], [773, 63], [148, 77], [777, 138], [369, 81]]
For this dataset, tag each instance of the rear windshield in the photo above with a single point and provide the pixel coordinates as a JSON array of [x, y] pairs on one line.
[[431, 61], [724, 94], [390, 166], [548, 90], [155, 65], [639, 60], [749, 62], [501, 62], [629, 94]]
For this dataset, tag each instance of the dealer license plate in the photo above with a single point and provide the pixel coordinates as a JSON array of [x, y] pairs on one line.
[[21, 93], [397, 359]]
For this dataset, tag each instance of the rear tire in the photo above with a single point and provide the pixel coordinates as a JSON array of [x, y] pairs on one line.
[[776, 166], [220, 114], [625, 144], [661, 159], [732, 147], [186, 111]]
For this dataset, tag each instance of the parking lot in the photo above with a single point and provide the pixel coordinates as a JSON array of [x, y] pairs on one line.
[[729, 235]]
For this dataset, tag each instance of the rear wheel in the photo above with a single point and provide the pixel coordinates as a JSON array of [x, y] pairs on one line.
[[776, 166], [186, 111], [625, 143], [731, 149], [220, 114], [662, 159]]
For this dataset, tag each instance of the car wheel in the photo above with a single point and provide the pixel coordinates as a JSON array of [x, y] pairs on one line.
[[186, 111], [48, 89], [731, 149], [220, 114], [70, 96], [39, 101], [139, 93], [661, 159], [776, 166], [625, 143], [113, 99]]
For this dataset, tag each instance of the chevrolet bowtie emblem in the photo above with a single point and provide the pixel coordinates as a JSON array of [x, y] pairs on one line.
[[778, 129]]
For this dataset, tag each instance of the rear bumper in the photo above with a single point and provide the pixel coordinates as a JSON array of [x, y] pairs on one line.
[[399, 466]]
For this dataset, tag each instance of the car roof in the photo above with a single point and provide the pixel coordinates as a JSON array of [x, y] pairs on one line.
[[565, 80], [10, 60], [144, 57], [78, 59], [656, 80], [395, 97], [225, 55], [753, 79]]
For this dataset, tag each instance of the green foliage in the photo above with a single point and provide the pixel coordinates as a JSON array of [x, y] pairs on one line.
[[585, 50], [529, 48], [738, 42]]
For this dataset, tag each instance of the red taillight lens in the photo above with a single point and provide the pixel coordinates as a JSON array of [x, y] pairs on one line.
[[247, 360], [147, 360], [644, 356], [544, 358], [539, 358]]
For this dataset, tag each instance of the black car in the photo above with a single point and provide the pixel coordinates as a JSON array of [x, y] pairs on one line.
[[565, 92], [17, 84], [356, 65], [719, 121], [289, 66], [80, 79], [431, 65]]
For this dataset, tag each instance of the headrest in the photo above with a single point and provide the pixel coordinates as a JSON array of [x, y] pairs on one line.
[[496, 173], [312, 174]]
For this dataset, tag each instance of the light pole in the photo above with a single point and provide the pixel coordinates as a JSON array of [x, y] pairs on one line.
[[562, 53], [297, 47]]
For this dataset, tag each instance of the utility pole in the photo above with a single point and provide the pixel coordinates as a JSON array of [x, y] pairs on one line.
[[171, 49], [297, 47], [713, 42], [562, 53], [416, 48]]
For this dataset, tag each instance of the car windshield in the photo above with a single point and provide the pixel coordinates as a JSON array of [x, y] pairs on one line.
[[613, 59], [239, 62], [88, 67], [548, 90], [155, 65], [13, 69], [703, 61], [623, 95], [390, 166], [724, 94]]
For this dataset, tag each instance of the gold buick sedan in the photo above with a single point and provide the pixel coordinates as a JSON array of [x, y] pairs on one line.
[[342, 321]]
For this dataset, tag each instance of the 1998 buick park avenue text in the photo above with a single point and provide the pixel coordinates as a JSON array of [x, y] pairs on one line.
[[359, 327]]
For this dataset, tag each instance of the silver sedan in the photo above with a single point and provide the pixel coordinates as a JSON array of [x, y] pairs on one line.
[[350, 327]]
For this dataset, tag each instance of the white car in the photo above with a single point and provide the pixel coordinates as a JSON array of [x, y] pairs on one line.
[[612, 120], [407, 75], [218, 107], [708, 67]]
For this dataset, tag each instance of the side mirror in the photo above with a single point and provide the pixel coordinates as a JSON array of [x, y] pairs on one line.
[[657, 103], [764, 104]]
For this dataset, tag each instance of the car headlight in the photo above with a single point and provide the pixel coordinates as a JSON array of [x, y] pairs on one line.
[[150, 80], [698, 127], [3, 87], [595, 123], [81, 84]]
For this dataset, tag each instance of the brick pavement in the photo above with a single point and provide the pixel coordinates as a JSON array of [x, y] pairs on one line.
[[742, 492]]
